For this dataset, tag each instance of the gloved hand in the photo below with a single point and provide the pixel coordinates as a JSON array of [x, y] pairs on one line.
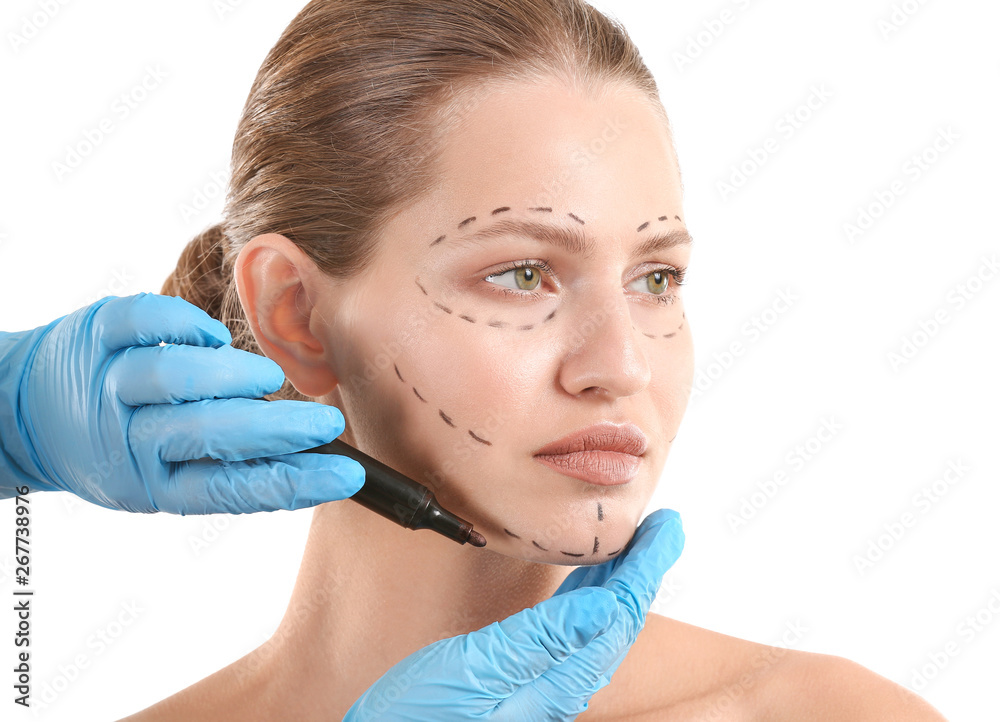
[[93, 405], [545, 662], [635, 577]]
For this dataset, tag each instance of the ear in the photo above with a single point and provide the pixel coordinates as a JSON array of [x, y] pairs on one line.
[[277, 285]]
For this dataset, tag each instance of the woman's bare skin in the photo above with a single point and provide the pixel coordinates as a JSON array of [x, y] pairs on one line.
[[675, 672], [460, 408]]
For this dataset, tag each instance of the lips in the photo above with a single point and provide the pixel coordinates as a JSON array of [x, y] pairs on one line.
[[604, 454]]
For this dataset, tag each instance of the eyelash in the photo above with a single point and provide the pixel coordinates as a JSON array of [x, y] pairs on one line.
[[677, 273]]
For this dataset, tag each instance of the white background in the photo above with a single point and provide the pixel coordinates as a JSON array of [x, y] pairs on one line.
[[117, 223]]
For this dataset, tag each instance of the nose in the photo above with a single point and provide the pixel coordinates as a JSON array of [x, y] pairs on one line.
[[604, 354]]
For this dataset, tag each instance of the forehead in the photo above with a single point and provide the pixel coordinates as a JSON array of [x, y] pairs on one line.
[[603, 154]]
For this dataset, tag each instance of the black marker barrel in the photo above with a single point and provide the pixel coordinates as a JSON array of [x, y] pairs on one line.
[[400, 499]]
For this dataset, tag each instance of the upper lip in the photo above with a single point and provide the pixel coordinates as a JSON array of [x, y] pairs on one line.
[[605, 436]]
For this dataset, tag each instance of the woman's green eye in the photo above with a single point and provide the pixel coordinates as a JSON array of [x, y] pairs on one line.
[[657, 282], [526, 277]]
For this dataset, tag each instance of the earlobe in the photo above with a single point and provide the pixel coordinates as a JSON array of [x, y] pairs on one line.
[[273, 277]]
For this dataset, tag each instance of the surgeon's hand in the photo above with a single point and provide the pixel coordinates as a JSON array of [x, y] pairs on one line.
[[93, 405], [545, 662]]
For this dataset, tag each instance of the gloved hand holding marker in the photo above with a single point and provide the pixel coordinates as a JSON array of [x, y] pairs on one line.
[[402, 500], [93, 405]]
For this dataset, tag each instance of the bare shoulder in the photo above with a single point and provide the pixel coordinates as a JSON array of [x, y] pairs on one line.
[[828, 688], [677, 671]]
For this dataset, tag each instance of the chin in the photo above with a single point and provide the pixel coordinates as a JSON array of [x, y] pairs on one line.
[[596, 545]]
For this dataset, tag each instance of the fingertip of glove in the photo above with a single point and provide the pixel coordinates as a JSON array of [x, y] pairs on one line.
[[666, 522], [272, 376], [329, 478], [221, 332], [332, 422], [672, 521], [216, 332], [665, 516], [353, 483]]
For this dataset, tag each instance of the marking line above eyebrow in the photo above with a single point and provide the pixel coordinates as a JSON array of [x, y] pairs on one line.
[[572, 239]]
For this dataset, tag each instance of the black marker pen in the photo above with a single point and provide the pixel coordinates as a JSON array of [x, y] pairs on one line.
[[400, 499]]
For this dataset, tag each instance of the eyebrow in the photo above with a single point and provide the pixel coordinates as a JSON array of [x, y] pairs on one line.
[[572, 240]]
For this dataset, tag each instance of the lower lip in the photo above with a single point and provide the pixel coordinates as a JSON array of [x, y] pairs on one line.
[[604, 468]]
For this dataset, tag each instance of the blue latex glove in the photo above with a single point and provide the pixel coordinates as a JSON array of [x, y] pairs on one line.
[[93, 405], [543, 663]]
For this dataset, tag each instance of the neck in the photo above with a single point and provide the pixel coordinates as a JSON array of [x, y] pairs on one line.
[[370, 593]]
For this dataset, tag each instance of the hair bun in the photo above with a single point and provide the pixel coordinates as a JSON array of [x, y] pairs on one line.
[[200, 276]]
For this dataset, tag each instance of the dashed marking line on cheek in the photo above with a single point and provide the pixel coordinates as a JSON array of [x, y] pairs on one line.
[[521, 327], [526, 327], [667, 335], [481, 441], [470, 319], [444, 417]]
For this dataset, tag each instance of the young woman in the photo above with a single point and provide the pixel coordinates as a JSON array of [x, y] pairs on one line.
[[461, 223]]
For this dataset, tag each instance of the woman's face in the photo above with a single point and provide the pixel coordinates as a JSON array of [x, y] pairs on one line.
[[456, 367]]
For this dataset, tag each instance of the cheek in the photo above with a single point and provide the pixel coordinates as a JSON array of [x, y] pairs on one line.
[[478, 358], [459, 406], [662, 323], [469, 379], [430, 386], [466, 382], [485, 312]]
